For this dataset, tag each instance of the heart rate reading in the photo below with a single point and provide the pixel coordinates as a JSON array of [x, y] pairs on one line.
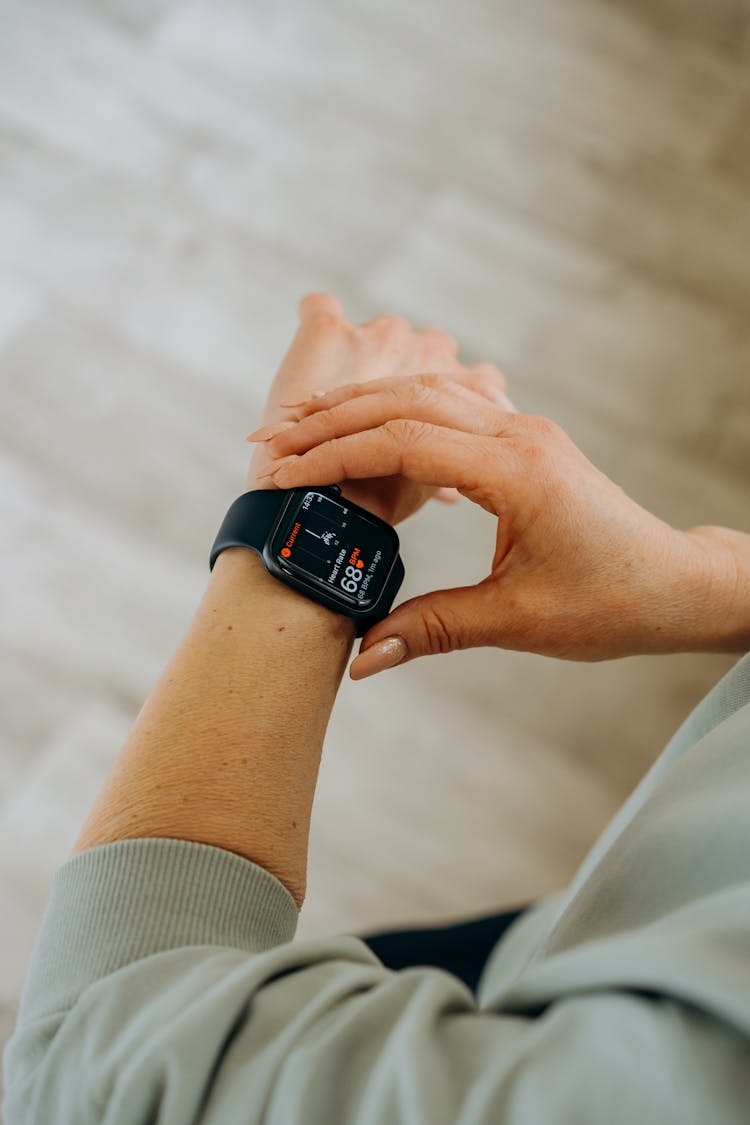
[[328, 543]]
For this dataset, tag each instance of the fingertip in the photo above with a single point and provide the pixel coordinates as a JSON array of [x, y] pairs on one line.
[[448, 496], [491, 383], [321, 302], [489, 369]]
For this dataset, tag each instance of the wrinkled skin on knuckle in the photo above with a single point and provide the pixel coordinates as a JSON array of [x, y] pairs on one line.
[[415, 431], [431, 379], [393, 430], [422, 390], [440, 630], [485, 480], [323, 424], [405, 433], [403, 430], [338, 447], [396, 396]]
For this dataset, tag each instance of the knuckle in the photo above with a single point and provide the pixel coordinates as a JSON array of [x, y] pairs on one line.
[[407, 431], [441, 637], [439, 340], [336, 449], [395, 428], [395, 394], [348, 391], [430, 379], [538, 442], [325, 323], [488, 383], [391, 327], [544, 429], [324, 422], [422, 390]]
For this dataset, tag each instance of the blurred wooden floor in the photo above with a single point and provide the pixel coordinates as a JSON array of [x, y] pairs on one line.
[[563, 187]]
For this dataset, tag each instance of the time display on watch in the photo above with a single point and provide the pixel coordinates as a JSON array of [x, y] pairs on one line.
[[328, 543]]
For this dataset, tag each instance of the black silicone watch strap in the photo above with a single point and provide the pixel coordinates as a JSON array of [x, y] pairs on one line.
[[249, 521]]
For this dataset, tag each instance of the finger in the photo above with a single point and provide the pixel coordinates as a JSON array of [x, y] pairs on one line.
[[494, 378], [419, 451], [439, 622], [482, 383], [442, 405], [320, 345], [492, 372], [435, 337], [388, 324], [448, 496], [385, 345], [314, 303]]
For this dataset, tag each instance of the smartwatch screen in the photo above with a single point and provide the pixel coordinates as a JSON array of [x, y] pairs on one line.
[[325, 542]]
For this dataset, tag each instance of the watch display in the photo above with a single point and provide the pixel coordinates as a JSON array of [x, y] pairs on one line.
[[324, 542]]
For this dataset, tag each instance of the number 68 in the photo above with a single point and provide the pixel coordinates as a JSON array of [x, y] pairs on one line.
[[353, 576]]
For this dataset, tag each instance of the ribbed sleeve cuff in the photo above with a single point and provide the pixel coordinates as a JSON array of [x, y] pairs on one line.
[[113, 904]]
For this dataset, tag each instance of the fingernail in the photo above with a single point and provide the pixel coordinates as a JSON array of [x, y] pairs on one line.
[[384, 654], [265, 433], [276, 465]]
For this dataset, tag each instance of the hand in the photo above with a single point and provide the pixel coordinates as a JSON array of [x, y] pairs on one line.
[[579, 572], [328, 351]]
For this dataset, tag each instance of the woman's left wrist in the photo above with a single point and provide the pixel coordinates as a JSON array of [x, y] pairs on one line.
[[239, 571]]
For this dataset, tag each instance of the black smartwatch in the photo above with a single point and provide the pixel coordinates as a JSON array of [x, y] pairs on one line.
[[327, 548]]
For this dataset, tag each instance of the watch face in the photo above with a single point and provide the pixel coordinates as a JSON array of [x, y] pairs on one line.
[[327, 544]]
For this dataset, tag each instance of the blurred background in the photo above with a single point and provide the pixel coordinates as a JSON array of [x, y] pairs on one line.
[[563, 187]]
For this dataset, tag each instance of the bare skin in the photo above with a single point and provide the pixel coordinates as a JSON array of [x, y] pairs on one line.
[[328, 352], [580, 571], [225, 751]]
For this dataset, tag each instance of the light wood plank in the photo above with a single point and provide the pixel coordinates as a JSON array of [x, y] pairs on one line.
[[564, 186]]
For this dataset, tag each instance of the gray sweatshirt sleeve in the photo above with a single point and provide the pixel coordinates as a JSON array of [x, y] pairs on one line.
[[165, 987]]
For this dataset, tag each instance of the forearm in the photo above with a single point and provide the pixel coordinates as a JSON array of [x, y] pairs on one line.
[[724, 624], [226, 749]]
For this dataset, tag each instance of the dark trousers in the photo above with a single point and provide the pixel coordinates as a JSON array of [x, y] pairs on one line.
[[461, 949]]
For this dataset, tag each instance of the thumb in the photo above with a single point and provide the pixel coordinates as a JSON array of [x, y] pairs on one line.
[[438, 622]]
